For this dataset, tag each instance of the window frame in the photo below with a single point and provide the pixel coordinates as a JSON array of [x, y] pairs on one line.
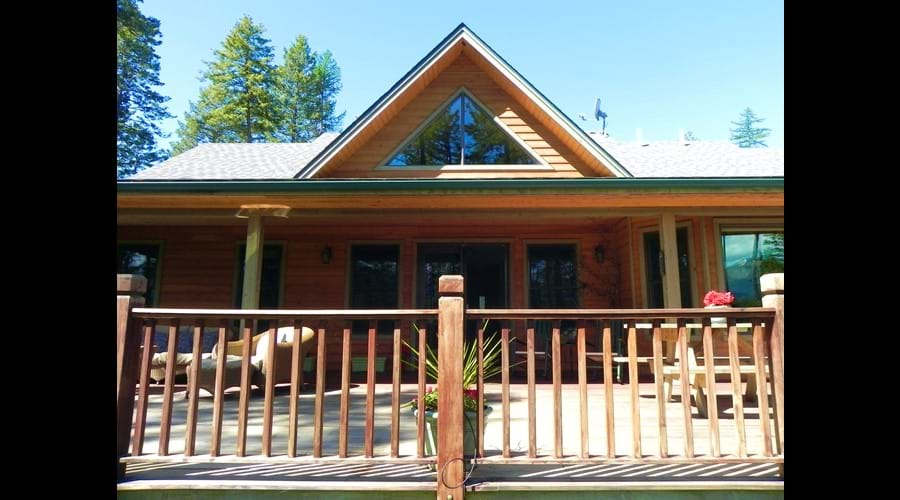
[[696, 293], [740, 226], [157, 279], [526, 269], [540, 165], [238, 262]]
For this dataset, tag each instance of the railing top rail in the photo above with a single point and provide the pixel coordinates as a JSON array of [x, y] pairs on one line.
[[730, 312], [286, 314]]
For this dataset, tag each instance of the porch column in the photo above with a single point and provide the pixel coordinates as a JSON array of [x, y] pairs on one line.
[[669, 245], [772, 287], [253, 256], [130, 291]]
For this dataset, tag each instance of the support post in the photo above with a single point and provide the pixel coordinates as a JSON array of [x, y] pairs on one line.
[[669, 245], [772, 288], [130, 291], [451, 310], [252, 262]]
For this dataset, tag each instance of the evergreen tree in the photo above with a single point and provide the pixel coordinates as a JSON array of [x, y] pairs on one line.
[[746, 135], [325, 83], [294, 81], [239, 104], [689, 136], [139, 106]]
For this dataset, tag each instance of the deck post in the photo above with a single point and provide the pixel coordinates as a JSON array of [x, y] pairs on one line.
[[772, 288], [130, 289], [451, 310]]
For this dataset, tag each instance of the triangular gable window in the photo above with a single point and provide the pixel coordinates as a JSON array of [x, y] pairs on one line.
[[462, 133]]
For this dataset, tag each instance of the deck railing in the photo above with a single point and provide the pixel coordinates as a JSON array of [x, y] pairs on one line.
[[137, 326]]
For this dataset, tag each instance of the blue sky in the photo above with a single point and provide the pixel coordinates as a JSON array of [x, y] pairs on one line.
[[656, 65]]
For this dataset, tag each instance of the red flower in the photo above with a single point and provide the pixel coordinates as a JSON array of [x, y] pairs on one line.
[[472, 393], [714, 298]]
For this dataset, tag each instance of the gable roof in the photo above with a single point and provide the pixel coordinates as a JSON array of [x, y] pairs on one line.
[[462, 36], [694, 158], [217, 161]]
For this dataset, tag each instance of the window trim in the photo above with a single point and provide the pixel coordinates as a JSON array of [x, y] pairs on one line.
[[526, 274], [282, 270], [723, 226], [159, 265], [692, 264], [541, 164]]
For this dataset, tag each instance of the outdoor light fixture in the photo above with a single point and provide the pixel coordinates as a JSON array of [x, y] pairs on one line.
[[599, 252], [326, 254]]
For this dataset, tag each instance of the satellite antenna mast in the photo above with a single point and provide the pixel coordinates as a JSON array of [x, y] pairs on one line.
[[598, 114]]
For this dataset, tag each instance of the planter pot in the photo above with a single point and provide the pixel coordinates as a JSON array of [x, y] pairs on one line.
[[718, 322], [470, 425]]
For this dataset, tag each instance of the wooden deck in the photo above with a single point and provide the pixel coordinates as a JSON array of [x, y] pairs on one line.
[[492, 472]]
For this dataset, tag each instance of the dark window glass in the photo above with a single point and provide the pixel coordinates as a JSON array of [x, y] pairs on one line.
[[552, 284], [462, 133], [374, 278], [653, 265], [141, 259], [748, 256], [270, 276]]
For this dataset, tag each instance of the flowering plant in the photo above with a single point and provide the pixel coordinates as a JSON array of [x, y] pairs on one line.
[[714, 298], [470, 399]]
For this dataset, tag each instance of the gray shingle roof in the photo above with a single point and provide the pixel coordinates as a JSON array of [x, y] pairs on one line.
[[694, 158], [214, 161]]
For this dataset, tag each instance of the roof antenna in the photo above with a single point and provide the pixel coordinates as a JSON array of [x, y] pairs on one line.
[[598, 114]]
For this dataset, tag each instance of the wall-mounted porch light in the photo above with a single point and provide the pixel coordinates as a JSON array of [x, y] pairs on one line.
[[326, 254], [599, 253]]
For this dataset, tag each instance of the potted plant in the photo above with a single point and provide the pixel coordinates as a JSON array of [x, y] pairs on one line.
[[491, 361]]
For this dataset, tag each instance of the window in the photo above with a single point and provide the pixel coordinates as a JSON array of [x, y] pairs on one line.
[[270, 276], [374, 281], [141, 259], [747, 254], [654, 265], [462, 133], [552, 284]]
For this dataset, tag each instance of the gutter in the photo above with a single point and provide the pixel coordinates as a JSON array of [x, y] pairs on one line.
[[418, 186]]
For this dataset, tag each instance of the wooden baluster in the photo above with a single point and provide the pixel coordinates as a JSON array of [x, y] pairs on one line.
[[270, 388], [582, 389], [634, 384], [709, 363], [532, 409], [193, 391], [480, 388], [395, 396], [345, 394], [165, 427], [296, 388], [215, 444], [370, 392], [737, 397], [244, 403], [776, 372], [557, 392], [140, 421], [320, 392], [685, 383], [504, 372], [762, 392], [608, 391], [420, 403], [660, 390]]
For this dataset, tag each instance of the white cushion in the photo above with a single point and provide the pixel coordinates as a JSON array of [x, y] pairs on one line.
[[285, 334]]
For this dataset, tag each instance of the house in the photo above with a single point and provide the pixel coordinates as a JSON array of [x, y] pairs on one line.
[[462, 167]]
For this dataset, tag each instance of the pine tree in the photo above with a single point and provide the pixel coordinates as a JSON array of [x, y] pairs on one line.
[[239, 104], [746, 135], [294, 80], [325, 83], [139, 106]]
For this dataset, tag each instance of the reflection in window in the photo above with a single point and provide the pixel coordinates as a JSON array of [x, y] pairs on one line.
[[748, 256], [374, 281], [462, 133], [140, 259]]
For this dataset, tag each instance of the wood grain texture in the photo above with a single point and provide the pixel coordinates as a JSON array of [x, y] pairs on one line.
[[319, 405], [532, 396], [582, 389], [140, 419], [660, 392], [450, 402], [685, 389], [345, 394], [420, 396], [776, 368], [634, 384], [557, 392], [711, 403], [737, 396], [244, 403], [608, 391], [480, 388], [395, 397], [296, 387], [762, 390], [268, 413], [190, 436], [215, 444], [165, 426], [504, 381], [370, 390]]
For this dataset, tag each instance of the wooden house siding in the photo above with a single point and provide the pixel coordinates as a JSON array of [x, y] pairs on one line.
[[462, 72]]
